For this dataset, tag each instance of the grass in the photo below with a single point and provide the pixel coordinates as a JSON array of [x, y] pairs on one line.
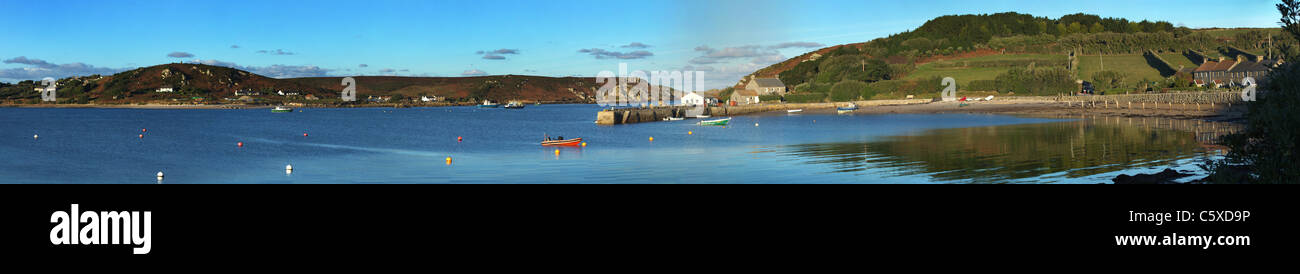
[[965, 75], [1178, 59], [1133, 65]]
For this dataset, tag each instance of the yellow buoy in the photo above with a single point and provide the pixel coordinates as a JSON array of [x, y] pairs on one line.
[[652, 139], [584, 144], [690, 133], [557, 151], [448, 160]]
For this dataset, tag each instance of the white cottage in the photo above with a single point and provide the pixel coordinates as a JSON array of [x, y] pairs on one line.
[[692, 99]]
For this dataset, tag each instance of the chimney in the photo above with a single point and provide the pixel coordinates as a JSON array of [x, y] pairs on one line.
[[1241, 58], [1220, 58], [1259, 58]]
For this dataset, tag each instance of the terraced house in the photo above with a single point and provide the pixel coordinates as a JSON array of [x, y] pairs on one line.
[[766, 86], [1225, 73]]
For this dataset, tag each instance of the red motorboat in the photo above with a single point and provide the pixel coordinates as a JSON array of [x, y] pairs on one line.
[[567, 143]]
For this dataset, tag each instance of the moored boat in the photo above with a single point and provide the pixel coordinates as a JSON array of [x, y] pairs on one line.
[[488, 104], [282, 109], [562, 142], [718, 122], [515, 105], [850, 107], [794, 111]]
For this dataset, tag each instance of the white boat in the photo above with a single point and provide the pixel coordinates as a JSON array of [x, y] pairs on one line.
[[990, 98], [794, 111], [701, 116], [281, 109], [676, 118]]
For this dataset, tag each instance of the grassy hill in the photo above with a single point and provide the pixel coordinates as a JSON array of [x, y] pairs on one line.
[[1135, 66], [140, 85], [1011, 52], [215, 84], [965, 70]]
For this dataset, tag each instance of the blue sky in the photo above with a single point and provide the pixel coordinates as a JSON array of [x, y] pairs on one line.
[[725, 38]]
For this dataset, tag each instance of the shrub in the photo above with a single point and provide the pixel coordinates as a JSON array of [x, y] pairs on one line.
[[806, 98], [1050, 81], [848, 90], [1108, 79], [981, 85]]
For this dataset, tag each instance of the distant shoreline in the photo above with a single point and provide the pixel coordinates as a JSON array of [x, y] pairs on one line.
[[168, 106], [1019, 106]]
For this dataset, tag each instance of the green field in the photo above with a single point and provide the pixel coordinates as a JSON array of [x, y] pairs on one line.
[[966, 75], [1178, 59], [1133, 65]]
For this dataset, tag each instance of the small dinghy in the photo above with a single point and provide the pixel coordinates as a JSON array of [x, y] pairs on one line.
[[794, 111], [718, 122], [562, 142]]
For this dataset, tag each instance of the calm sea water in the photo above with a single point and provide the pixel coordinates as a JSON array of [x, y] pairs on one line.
[[500, 146]]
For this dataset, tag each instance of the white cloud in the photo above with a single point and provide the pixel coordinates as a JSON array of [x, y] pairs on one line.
[[605, 54], [635, 45], [38, 69]]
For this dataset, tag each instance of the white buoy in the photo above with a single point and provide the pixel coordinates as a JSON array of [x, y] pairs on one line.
[[160, 175], [36, 136], [288, 169]]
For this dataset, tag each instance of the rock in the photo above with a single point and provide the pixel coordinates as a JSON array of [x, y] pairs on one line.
[[1163, 178]]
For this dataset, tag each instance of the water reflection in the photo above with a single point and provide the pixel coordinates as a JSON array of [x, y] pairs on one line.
[[1045, 152]]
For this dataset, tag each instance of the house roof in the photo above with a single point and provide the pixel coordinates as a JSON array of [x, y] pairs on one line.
[[1249, 66], [1215, 66], [769, 83], [745, 92]]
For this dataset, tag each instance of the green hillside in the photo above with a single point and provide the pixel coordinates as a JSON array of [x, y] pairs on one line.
[[1134, 66], [983, 67], [1021, 53], [1178, 59]]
